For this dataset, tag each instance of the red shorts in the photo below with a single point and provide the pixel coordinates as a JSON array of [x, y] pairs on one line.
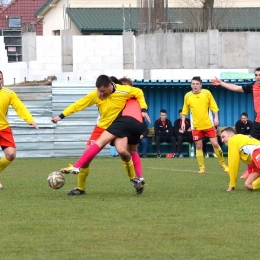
[[6, 138], [256, 160], [95, 135], [199, 134]]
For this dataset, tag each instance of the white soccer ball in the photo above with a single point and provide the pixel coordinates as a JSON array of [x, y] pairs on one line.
[[56, 180]]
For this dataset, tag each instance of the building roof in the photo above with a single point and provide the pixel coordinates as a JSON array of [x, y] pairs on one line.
[[45, 8], [25, 9], [89, 20], [185, 83]]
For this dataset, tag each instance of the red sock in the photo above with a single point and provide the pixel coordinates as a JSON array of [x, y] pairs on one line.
[[87, 156], [137, 164], [249, 168]]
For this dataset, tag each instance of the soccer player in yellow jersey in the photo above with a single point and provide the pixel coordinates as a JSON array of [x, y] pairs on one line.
[[110, 99], [244, 148], [9, 98], [201, 104]]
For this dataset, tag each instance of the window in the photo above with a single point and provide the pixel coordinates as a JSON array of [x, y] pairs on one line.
[[14, 22], [56, 32]]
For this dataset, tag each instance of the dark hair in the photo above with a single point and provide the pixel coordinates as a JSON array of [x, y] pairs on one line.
[[116, 80], [257, 69], [103, 80], [229, 129], [197, 78], [163, 111], [126, 81], [180, 110], [244, 114]]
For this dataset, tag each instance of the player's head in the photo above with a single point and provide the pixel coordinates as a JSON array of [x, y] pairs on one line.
[[226, 134], [104, 86], [257, 75], [126, 81], [196, 84], [116, 80], [163, 114], [244, 117]]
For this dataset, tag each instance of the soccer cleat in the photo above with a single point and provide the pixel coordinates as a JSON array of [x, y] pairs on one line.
[[244, 175], [142, 180], [181, 155], [159, 155], [138, 185], [225, 168], [76, 191], [206, 155], [174, 155], [214, 155], [202, 170], [70, 169]]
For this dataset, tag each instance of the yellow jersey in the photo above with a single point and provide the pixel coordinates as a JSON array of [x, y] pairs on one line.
[[110, 107], [240, 147], [8, 97], [200, 106]]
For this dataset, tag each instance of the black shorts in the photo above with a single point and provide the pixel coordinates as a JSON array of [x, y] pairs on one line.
[[127, 126], [256, 130]]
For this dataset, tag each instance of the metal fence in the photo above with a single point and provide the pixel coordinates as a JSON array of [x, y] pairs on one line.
[[66, 139]]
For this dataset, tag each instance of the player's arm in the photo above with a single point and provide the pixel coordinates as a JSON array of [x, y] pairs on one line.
[[232, 87], [139, 95], [185, 110], [216, 120], [233, 164], [22, 110], [87, 101]]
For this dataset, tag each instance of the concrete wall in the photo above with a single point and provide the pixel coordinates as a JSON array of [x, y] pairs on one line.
[[159, 56], [214, 49], [29, 46]]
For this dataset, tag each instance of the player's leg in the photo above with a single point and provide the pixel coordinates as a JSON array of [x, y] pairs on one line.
[[8, 146], [158, 140], [10, 154], [132, 149], [121, 146], [92, 151], [197, 136], [199, 155], [211, 133], [253, 181]]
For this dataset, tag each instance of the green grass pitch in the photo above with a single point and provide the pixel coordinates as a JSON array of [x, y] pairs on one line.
[[180, 215]]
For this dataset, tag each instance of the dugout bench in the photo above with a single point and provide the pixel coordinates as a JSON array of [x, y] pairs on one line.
[[186, 146], [165, 146]]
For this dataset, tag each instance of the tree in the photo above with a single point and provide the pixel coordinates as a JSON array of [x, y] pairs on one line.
[[208, 9]]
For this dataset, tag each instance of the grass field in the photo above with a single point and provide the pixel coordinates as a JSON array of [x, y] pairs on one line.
[[180, 215]]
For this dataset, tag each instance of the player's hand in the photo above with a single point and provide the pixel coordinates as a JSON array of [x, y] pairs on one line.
[[216, 81], [230, 188], [34, 125], [145, 115], [216, 121], [55, 119]]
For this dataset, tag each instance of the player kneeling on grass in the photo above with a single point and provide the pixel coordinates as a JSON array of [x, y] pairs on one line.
[[245, 148]]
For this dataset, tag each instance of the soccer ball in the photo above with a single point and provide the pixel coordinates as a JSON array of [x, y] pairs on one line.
[[56, 180]]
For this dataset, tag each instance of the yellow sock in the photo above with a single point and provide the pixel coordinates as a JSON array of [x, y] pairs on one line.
[[200, 158], [4, 163], [82, 178], [256, 184], [129, 167], [219, 154]]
